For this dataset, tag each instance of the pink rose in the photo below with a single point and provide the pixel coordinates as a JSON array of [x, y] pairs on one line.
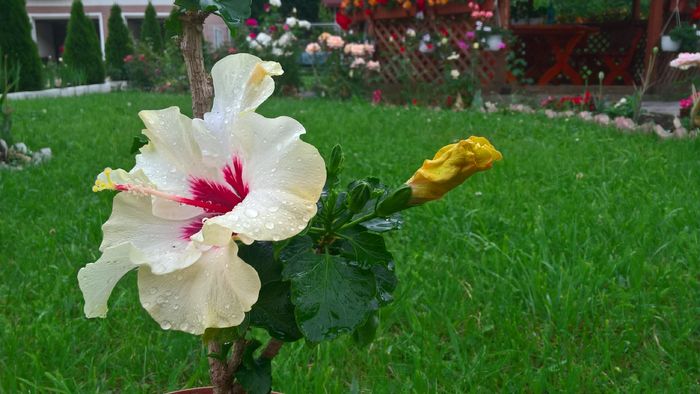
[[312, 48], [335, 42], [358, 62], [373, 65]]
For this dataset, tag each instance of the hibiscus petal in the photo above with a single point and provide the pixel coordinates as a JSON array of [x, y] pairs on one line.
[[97, 280], [172, 156], [241, 83], [285, 176], [216, 291], [159, 243]]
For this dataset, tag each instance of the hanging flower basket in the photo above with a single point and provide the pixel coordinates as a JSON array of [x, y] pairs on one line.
[[494, 43], [668, 44]]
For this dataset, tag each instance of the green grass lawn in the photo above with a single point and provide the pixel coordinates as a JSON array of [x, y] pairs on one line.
[[572, 265]]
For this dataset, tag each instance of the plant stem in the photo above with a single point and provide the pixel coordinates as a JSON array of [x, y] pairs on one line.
[[273, 347], [221, 378], [192, 52], [359, 220]]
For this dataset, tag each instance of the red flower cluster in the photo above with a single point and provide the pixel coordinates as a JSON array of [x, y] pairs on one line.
[[343, 20], [585, 101]]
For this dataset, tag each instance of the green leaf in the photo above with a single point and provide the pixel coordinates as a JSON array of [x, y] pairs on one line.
[[364, 247], [231, 11], [190, 5], [139, 141], [386, 282], [365, 334], [228, 334], [274, 312], [381, 225], [331, 295], [260, 255], [255, 375]]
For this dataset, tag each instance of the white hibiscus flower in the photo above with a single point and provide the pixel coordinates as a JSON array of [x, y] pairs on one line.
[[196, 187]]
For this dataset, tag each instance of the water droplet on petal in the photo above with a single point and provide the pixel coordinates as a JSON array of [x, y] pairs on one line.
[[166, 325], [176, 306], [251, 212], [269, 225], [153, 290], [273, 209]]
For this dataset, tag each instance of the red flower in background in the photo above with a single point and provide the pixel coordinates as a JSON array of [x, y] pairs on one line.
[[402, 49], [342, 20], [251, 22], [368, 12], [377, 96], [420, 5], [696, 13], [252, 35]]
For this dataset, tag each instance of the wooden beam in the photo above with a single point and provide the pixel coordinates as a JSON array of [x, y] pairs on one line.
[[504, 13], [654, 26], [636, 10]]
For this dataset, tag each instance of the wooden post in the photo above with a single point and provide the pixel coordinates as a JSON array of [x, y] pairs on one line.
[[654, 26], [504, 13], [636, 10]]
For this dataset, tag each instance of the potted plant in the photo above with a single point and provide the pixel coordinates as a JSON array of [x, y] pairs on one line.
[[233, 222]]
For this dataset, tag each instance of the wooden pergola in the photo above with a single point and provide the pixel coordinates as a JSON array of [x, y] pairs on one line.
[[658, 9]]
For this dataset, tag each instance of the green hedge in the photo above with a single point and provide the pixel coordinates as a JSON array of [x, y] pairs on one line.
[[82, 51], [118, 44], [16, 43]]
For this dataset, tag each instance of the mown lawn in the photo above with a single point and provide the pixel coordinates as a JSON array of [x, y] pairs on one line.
[[573, 265]]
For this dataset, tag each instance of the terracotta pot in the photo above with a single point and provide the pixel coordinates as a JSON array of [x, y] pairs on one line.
[[201, 390], [196, 390]]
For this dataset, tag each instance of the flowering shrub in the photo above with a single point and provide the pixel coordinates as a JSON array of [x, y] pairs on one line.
[[343, 69], [151, 71], [274, 36]]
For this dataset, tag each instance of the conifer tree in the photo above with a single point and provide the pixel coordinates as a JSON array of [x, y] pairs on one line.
[[16, 43], [81, 51], [118, 44], [150, 30]]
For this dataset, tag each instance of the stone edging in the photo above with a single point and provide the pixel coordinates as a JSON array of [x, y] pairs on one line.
[[106, 87]]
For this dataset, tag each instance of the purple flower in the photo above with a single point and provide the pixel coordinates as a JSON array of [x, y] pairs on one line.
[[462, 45], [470, 35]]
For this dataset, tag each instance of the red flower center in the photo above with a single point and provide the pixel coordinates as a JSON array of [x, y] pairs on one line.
[[214, 197]]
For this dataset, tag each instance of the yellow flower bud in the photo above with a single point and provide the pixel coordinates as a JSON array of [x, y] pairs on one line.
[[451, 166]]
